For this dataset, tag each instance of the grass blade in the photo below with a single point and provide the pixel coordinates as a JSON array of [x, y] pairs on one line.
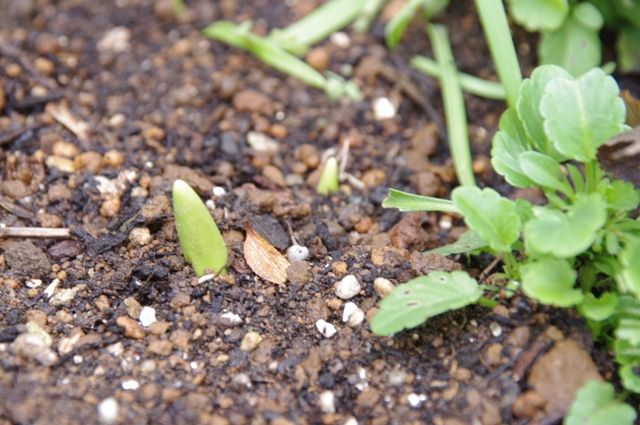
[[453, 105], [469, 83]]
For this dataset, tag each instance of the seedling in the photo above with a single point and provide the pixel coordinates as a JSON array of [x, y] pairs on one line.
[[581, 249], [329, 178], [200, 240], [280, 48]]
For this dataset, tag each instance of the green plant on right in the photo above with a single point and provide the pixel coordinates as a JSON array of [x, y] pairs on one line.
[[581, 249], [570, 31]]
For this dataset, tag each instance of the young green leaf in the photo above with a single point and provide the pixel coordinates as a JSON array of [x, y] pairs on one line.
[[550, 281], [408, 202], [543, 170], [565, 235], [629, 277], [508, 144], [201, 242], [595, 404], [600, 308], [411, 303], [535, 15], [628, 329], [528, 107], [631, 381], [395, 27], [580, 115], [490, 215], [317, 25], [620, 195], [467, 242], [575, 45], [329, 179]]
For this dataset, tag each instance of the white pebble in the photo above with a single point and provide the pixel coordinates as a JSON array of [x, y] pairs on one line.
[[325, 328], [205, 278], [250, 341], [261, 142], [147, 316], [105, 186], [218, 191], [382, 286], [115, 40], [341, 39], [352, 315], [351, 421], [383, 109], [34, 283], [108, 410], [210, 204], [130, 384], [496, 329], [230, 319], [327, 402], [348, 287], [51, 288], [140, 236], [416, 399], [297, 253]]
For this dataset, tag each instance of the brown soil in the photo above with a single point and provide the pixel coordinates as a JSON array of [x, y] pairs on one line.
[[159, 102]]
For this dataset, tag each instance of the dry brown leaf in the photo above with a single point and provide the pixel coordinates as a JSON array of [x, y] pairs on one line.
[[633, 108], [263, 258]]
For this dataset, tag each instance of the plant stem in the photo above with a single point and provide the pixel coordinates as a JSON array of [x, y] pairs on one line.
[[469, 83], [487, 302], [34, 232], [496, 30], [453, 104]]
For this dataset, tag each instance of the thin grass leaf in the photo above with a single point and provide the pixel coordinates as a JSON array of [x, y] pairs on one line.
[[407, 202], [395, 27], [469, 83], [317, 25]]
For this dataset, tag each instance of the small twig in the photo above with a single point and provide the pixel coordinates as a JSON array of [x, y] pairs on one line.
[[12, 135], [482, 276], [96, 344], [526, 358], [34, 232]]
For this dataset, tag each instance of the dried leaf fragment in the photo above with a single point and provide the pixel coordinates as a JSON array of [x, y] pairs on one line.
[[263, 258], [61, 113]]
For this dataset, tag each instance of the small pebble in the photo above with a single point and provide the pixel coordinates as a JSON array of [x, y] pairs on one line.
[[383, 109], [341, 39], [130, 384], [352, 315], [351, 421], [250, 341], [32, 346], [327, 401], [297, 253], [416, 399], [262, 143], [348, 287], [230, 319], [108, 411], [34, 283], [218, 191], [382, 286], [496, 329], [241, 381], [140, 236], [147, 316], [325, 328]]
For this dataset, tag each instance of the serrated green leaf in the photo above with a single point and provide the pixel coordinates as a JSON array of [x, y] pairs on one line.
[[490, 215], [567, 234], [580, 115], [543, 170], [600, 308], [574, 46], [407, 202], [551, 281], [537, 15], [629, 277], [469, 241], [630, 380], [620, 195], [595, 404], [528, 107], [411, 303], [201, 242]]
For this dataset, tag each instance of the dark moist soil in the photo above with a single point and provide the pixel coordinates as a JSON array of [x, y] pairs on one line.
[[104, 104]]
